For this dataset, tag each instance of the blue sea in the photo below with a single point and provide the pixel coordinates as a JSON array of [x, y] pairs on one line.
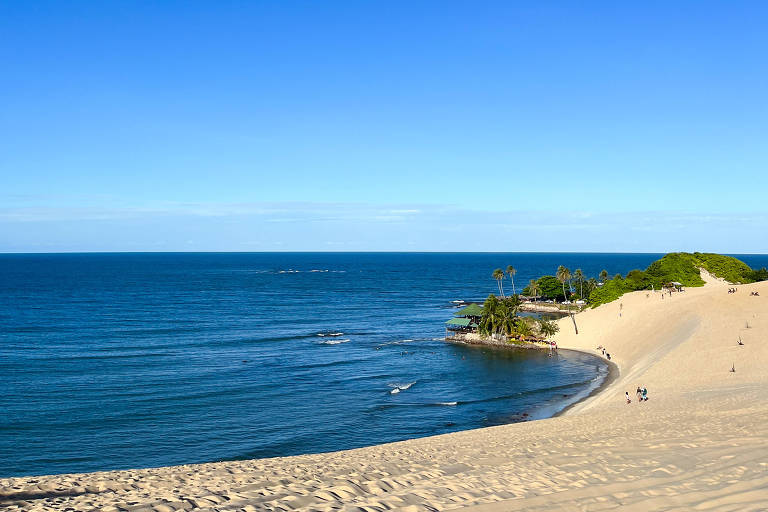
[[114, 361]]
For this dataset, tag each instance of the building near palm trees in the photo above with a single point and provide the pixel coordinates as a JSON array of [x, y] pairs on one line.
[[464, 320]]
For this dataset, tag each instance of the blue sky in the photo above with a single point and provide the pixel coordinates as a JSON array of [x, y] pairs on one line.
[[497, 126]]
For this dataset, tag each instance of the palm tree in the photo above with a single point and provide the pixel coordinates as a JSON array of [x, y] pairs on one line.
[[490, 321], [603, 275], [506, 318], [563, 275], [513, 304], [496, 316], [511, 271], [578, 275], [498, 275], [499, 315], [548, 328], [533, 285], [591, 285], [523, 328]]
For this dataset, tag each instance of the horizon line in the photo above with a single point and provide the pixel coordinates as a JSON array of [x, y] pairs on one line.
[[2, 253]]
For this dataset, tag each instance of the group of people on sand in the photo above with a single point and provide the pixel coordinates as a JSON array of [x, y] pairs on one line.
[[642, 395], [751, 294], [605, 354]]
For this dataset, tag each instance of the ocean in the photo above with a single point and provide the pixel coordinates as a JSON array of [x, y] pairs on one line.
[[115, 361]]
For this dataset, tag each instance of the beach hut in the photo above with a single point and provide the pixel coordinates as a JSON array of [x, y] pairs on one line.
[[473, 310], [466, 319], [460, 325]]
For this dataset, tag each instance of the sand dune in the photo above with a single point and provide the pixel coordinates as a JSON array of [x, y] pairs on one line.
[[699, 443]]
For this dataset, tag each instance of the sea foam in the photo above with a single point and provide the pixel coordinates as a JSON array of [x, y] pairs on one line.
[[400, 387], [335, 341]]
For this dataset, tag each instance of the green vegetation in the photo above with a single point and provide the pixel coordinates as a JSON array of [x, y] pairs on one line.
[[678, 267], [726, 267], [548, 328], [533, 289], [548, 287], [610, 291], [759, 275], [499, 317], [498, 275], [578, 275], [684, 268], [511, 271], [563, 274], [675, 266], [499, 314]]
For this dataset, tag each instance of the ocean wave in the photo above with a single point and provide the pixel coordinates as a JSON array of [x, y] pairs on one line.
[[400, 405], [398, 342], [311, 271], [335, 341], [331, 334], [396, 388]]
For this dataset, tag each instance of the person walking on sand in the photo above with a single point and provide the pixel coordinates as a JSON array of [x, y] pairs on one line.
[[639, 394], [645, 394], [626, 394]]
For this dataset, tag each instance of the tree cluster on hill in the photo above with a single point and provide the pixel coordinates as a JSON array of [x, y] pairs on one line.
[[550, 287], [677, 267]]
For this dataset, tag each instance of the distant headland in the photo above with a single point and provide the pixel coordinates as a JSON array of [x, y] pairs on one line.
[[498, 320]]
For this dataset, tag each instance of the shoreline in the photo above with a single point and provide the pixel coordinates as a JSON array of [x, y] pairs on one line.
[[675, 452], [609, 378], [613, 375]]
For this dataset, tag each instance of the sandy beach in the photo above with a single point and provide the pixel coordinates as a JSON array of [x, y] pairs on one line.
[[699, 443]]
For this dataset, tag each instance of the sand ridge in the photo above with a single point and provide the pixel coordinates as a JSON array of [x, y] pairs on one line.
[[699, 443]]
